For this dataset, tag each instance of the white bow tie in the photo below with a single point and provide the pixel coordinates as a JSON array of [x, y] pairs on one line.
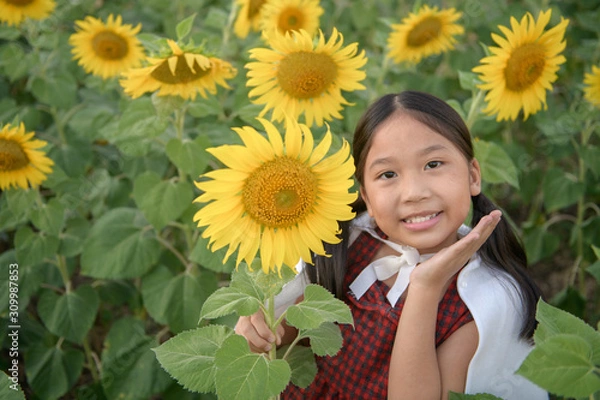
[[386, 267]]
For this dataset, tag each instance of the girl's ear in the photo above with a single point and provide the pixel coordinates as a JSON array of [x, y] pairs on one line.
[[363, 194], [475, 177]]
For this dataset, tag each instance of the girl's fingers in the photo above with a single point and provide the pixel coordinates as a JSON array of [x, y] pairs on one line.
[[253, 329]]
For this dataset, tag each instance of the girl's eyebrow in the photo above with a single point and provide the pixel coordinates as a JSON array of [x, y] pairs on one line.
[[431, 149], [380, 161], [427, 150]]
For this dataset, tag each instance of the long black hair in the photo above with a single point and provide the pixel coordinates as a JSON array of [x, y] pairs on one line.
[[502, 250]]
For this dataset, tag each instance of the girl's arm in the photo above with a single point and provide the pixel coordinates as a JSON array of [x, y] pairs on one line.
[[417, 369]]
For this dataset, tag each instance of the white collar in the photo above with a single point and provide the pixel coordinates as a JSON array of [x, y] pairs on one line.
[[386, 267]]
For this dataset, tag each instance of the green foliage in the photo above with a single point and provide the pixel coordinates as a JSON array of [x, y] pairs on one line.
[[111, 264], [213, 359], [566, 357]]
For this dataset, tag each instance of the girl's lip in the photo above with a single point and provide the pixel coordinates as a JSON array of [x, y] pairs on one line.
[[418, 224]]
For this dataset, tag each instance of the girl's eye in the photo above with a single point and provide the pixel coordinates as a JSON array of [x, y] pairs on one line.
[[433, 164], [387, 175]]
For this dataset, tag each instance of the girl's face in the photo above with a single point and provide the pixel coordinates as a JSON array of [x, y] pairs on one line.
[[417, 185]]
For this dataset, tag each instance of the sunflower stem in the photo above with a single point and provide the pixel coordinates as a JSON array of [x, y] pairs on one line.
[[90, 360], [179, 128], [272, 323], [62, 267], [187, 265], [585, 135], [381, 77], [474, 109], [227, 28]]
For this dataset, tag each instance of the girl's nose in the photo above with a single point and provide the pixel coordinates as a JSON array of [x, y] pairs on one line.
[[413, 188]]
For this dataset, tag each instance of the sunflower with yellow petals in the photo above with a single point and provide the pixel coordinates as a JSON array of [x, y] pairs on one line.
[[248, 17], [106, 49], [296, 76], [13, 12], [179, 73], [21, 163], [291, 15], [523, 67], [591, 91], [428, 32], [279, 198]]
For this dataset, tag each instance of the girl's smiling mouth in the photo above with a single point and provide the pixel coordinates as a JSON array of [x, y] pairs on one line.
[[418, 222]]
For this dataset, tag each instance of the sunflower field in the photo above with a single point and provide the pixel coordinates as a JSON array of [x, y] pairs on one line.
[[117, 222]]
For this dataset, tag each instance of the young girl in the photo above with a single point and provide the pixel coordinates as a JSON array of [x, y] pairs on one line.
[[437, 307]]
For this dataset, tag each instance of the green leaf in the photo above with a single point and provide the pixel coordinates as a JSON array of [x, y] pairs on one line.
[[134, 130], [540, 243], [270, 284], [129, 367], [49, 217], [496, 165], [57, 89], [70, 315], [468, 80], [554, 321], [9, 387], [560, 189], [326, 340], [591, 157], [119, 247], [202, 107], [185, 27], [73, 237], [302, 363], [227, 300], [562, 365], [189, 155], [318, 306], [20, 202], [202, 255], [189, 357], [242, 374], [32, 248], [161, 201], [177, 300], [52, 371]]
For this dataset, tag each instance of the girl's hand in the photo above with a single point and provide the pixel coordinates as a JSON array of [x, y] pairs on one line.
[[438, 270], [257, 332]]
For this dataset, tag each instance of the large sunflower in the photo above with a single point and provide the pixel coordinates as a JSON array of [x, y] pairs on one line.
[[179, 73], [280, 196], [430, 31], [21, 163], [13, 12], [592, 86], [291, 15], [296, 77], [248, 17], [523, 67], [106, 50]]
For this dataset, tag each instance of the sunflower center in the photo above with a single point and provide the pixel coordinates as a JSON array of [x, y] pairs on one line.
[[183, 73], [110, 46], [19, 3], [290, 19], [12, 156], [306, 75], [280, 193], [424, 32], [254, 8], [524, 67]]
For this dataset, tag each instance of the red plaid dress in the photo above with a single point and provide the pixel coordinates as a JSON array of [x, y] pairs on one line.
[[360, 370]]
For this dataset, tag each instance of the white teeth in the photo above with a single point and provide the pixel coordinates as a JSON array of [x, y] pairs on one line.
[[416, 220]]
